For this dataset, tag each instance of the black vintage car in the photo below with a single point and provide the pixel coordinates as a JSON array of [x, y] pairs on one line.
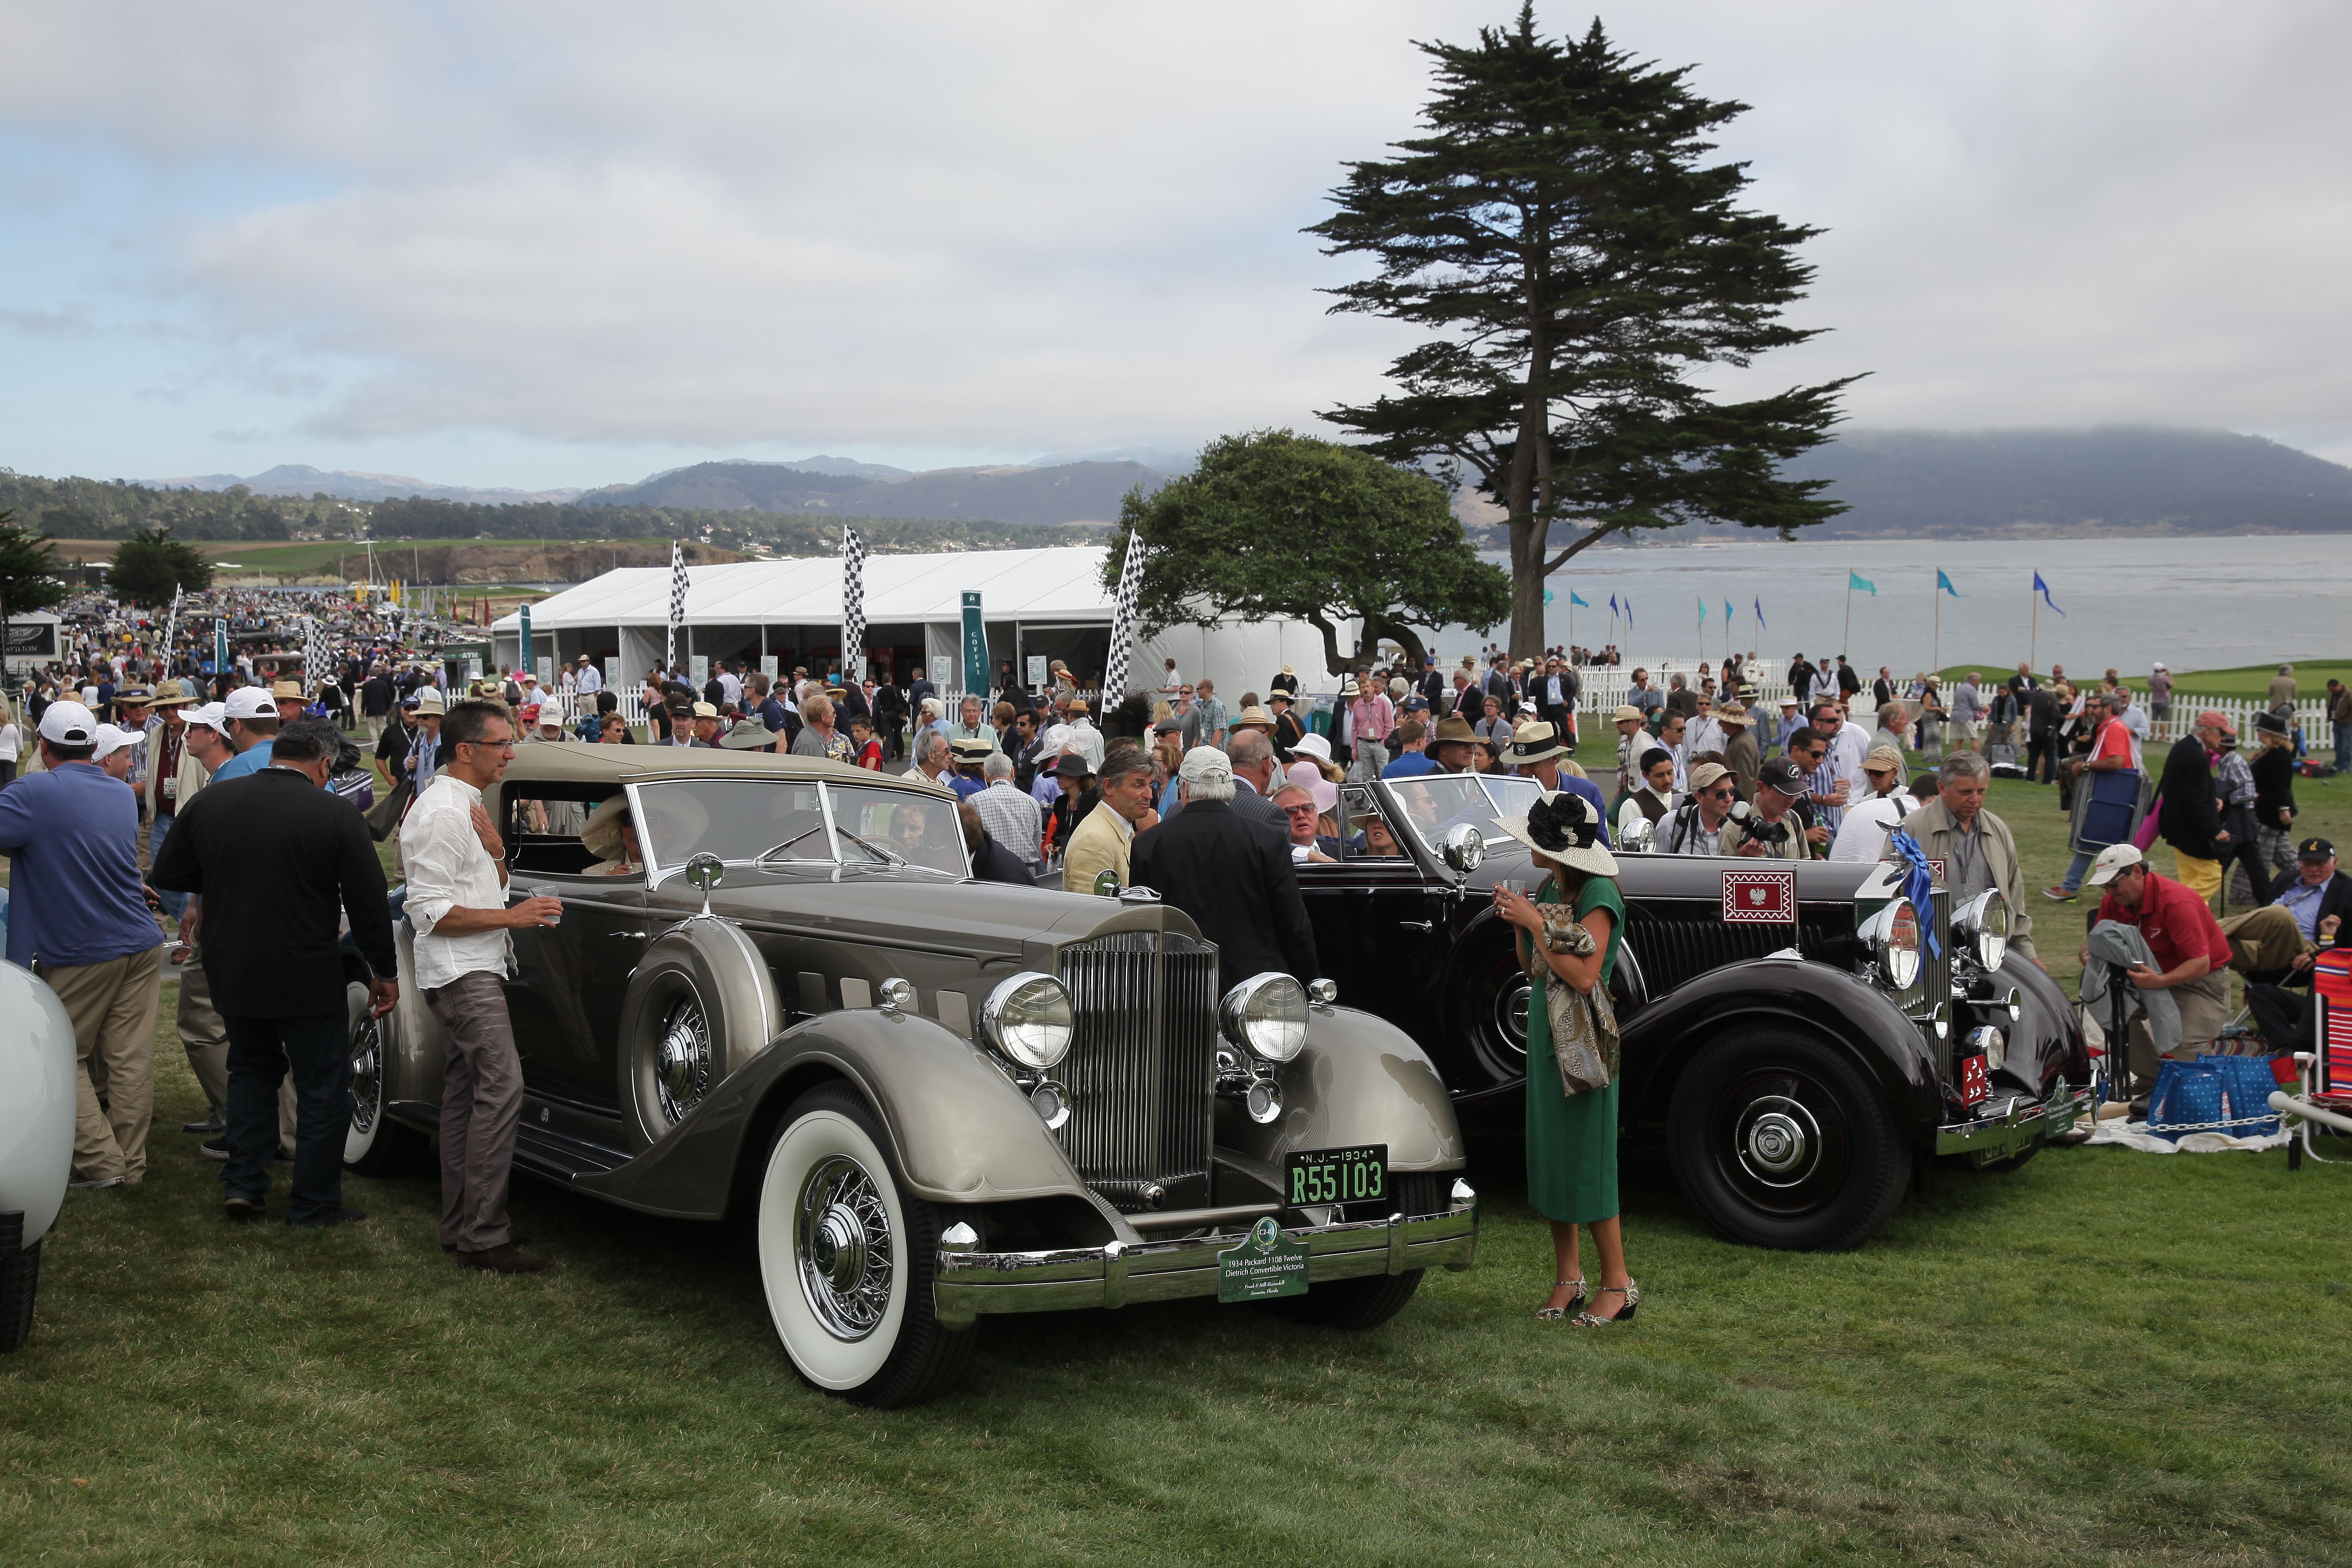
[[1799, 1069]]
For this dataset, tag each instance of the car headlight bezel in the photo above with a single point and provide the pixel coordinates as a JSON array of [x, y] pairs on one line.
[[1895, 946], [1983, 923], [1029, 1020], [1266, 1015]]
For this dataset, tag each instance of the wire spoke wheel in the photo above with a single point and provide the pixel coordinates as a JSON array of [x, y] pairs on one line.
[[682, 1072], [842, 1239], [367, 1073]]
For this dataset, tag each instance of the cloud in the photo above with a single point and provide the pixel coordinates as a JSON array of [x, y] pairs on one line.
[[1031, 227]]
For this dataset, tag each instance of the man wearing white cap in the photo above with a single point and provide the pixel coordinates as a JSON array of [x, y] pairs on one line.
[[1232, 877], [79, 919], [252, 716]]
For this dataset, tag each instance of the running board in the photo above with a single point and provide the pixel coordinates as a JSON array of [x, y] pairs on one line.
[[546, 1153]]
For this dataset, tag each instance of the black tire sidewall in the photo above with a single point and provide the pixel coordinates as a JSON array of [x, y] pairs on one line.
[[1878, 1161]]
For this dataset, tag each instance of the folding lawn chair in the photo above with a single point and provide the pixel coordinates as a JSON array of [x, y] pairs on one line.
[[2326, 1068]]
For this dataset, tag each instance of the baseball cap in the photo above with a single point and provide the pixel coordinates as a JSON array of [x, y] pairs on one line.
[[209, 715], [250, 702], [1707, 774], [1205, 762], [2218, 719], [2314, 849], [1784, 775], [2111, 863], [112, 738], [67, 724]]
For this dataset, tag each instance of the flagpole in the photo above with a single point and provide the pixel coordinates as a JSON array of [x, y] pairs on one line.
[[1847, 635], [1938, 595], [2034, 638]]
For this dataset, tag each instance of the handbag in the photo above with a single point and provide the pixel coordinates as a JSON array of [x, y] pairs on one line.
[[1583, 1023], [383, 816]]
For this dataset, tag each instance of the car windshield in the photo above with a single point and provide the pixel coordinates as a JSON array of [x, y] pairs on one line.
[[1436, 801], [898, 827], [738, 820]]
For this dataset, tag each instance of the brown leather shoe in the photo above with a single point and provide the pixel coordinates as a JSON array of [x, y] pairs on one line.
[[501, 1259], [512, 1240]]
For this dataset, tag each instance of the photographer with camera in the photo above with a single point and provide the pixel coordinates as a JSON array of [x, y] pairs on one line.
[[1699, 826], [1775, 827]]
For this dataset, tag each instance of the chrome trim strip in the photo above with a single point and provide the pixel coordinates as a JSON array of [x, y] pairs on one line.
[[1118, 1274], [2019, 1126]]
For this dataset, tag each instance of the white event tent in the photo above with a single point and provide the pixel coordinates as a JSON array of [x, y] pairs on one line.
[[1040, 602]]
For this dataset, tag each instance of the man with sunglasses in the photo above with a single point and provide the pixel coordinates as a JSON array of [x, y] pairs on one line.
[[1696, 827], [456, 897]]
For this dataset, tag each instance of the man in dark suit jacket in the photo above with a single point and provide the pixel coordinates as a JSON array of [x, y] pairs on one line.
[[280, 858], [2191, 819], [1231, 876]]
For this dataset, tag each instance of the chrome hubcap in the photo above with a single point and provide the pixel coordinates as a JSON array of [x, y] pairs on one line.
[[1511, 1013], [1779, 1141], [684, 1070], [367, 1073], [842, 1239]]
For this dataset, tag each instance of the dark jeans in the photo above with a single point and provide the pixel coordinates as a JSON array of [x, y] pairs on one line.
[[2288, 1019], [318, 1051], [2041, 757]]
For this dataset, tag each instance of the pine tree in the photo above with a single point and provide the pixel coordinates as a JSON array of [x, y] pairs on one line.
[[1579, 264]]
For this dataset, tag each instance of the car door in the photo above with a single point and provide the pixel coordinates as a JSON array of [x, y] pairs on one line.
[[1378, 923], [570, 979]]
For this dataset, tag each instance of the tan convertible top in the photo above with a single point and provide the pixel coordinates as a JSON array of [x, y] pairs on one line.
[[582, 762]]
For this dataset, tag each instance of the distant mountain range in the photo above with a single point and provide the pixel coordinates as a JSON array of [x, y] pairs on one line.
[[1898, 484]]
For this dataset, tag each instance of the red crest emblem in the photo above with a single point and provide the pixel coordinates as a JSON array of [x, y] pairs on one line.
[[1759, 898]]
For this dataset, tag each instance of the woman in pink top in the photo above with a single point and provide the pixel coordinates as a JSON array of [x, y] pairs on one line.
[[1370, 719]]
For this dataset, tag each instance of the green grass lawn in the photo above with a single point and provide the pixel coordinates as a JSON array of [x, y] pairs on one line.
[[2103, 1357], [2251, 681]]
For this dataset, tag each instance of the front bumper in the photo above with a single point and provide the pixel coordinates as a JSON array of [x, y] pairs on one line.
[[1117, 1274], [2012, 1129]]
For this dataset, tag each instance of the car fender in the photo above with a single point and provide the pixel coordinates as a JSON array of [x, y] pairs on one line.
[[1359, 1080], [959, 1129], [2045, 1043], [37, 1072], [1787, 992], [419, 1047]]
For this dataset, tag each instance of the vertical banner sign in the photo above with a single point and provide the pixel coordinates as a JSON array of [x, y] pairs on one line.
[[220, 655], [1036, 669], [975, 645], [529, 659], [698, 666], [771, 664]]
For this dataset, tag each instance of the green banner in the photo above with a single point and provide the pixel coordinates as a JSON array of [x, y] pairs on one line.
[[1268, 1263], [528, 662], [975, 646], [220, 654]]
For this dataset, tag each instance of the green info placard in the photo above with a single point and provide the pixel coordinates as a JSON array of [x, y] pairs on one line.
[[1267, 1265]]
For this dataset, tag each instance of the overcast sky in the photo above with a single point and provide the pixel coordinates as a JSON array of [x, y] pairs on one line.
[[544, 244]]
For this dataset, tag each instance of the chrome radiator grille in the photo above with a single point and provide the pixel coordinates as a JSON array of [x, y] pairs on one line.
[[1933, 989], [1142, 1069]]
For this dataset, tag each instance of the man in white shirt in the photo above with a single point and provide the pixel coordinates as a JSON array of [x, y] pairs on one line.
[[1705, 733], [586, 681], [731, 685], [1847, 748], [457, 897], [1862, 835]]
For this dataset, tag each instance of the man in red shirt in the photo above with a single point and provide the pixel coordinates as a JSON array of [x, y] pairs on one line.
[[2192, 956], [2111, 751]]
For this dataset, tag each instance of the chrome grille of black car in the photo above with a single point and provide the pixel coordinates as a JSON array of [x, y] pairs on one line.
[[1142, 1069], [1933, 989]]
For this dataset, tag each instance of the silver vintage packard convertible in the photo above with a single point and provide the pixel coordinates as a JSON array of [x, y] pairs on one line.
[[775, 987]]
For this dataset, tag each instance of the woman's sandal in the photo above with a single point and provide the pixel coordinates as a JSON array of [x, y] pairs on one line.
[[1632, 1294], [1554, 1314]]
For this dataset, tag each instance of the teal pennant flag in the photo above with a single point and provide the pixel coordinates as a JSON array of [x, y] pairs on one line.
[[1855, 580], [1945, 582]]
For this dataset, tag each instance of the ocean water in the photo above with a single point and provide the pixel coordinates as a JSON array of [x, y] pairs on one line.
[[2196, 604]]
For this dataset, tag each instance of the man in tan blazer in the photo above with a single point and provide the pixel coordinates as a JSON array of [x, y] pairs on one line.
[[1977, 848], [1102, 841]]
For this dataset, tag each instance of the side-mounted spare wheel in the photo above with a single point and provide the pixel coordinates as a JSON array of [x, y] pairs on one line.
[[702, 1004], [374, 1145], [847, 1257], [1780, 1140]]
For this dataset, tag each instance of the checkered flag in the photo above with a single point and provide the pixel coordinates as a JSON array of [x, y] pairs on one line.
[[318, 652], [853, 605], [677, 601], [1123, 618]]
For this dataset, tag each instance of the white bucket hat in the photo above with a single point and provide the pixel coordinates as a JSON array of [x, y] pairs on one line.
[[1312, 746]]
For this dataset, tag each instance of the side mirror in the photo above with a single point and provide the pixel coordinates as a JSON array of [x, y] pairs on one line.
[[1462, 848], [705, 871], [1638, 838]]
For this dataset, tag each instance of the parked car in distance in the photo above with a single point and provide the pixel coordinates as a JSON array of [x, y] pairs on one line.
[[1798, 1067], [37, 1070], [938, 1099]]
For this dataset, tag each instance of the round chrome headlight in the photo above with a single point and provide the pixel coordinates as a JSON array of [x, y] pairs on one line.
[[1267, 1015], [1983, 923], [1894, 937], [1028, 1017]]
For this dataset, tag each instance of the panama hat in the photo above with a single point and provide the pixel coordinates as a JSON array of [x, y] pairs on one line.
[[1627, 712], [1255, 718], [1733, 713], [970, 751], [1563, 829], [1532, 743], [601, 836], [1454, 730], [291, 690], [173, 698]]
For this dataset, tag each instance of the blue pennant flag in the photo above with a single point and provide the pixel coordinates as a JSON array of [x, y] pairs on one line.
[[2043, 589], [1945, 582], [1612, 604], [1702, 612], [1726, 612], [1760, 614], [1574, 599], [1629, 612]]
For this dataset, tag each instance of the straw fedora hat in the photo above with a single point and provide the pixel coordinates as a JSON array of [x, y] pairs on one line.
[[1563, 829], [1532, 743]]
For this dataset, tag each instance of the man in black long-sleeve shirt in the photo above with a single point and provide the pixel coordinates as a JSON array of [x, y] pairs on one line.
[[2190, 816], [1232, 876], [279, 858]]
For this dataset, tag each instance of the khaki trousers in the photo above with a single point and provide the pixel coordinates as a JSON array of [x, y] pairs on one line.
[[2264, 939], [2204, 1004], [112, 1006], [481, 1107], [204, 1036]]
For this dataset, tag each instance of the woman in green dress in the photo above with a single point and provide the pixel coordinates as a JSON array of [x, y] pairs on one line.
[[1571, 1138]]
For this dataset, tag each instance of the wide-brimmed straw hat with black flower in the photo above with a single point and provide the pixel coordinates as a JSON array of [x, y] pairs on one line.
[[1564, 828]]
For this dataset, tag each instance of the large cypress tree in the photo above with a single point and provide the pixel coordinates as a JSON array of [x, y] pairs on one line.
[[1579, 263]]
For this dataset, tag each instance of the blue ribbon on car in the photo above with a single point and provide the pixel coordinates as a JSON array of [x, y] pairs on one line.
[[1918, 883]]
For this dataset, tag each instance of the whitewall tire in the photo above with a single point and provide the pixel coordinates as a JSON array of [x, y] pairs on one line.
[[846, 1259]]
